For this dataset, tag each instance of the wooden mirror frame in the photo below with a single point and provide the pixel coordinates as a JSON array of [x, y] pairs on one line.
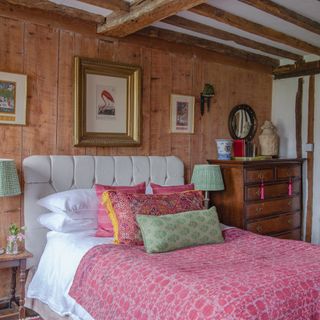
[[252, 116]]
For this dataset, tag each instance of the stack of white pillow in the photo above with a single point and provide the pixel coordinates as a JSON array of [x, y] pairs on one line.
[[71, 211]]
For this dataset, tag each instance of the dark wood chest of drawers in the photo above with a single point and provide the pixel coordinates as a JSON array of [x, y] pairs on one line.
[[277, 212]]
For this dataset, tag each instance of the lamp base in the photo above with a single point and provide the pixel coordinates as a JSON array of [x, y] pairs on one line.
[[206, 199]]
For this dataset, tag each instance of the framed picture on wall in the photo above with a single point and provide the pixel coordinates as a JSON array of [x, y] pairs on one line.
[[182, 114], [107, 103], [13, 98]]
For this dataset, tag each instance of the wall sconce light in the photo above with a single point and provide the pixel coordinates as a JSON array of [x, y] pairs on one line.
[[205, 96]]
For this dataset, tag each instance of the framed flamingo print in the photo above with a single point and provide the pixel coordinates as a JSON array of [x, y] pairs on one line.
[[107, 103]]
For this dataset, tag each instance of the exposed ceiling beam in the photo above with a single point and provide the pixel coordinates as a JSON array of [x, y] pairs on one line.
[[143, 15], [285, 14], [49, 6], [224, 35], [297, 70], [255, 28], [114, 5], [177, 37]]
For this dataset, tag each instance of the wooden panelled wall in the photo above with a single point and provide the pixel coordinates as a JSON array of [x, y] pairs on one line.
[[46, 54]]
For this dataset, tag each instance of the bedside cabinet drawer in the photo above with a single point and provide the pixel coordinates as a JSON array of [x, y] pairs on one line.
[[266, 208], [290, 171], [272, 191], [276, 225], [257, 175]]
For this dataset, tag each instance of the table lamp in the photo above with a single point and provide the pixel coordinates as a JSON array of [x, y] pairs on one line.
[[207, 177], [9, 180]]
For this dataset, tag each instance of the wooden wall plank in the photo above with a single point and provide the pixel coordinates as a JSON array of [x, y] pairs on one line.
[[11, 60], [160, 103], [182, 84], [65, 99], [298, 112], [41, 65], [310, 157], [197, 154]]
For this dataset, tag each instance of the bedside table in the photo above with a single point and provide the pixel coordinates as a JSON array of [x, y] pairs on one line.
[[15, 262]]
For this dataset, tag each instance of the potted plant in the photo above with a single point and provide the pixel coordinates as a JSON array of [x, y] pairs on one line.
[[15, 236]]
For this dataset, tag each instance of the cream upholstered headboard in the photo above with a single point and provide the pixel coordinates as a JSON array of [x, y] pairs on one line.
[[44, 175]]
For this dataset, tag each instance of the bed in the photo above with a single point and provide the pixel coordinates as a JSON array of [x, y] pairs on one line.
[[84, 277], [44, 175]]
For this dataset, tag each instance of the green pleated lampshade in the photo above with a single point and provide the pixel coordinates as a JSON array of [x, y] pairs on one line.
[[207, 177], [9, 181]]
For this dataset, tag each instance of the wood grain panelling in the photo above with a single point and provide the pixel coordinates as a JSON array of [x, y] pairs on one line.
[[45, 53]]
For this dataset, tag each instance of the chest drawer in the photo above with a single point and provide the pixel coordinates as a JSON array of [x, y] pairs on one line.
[[272, 191], [291, 235], [285, 172], [265, 208], [276, 225], [256, 175]]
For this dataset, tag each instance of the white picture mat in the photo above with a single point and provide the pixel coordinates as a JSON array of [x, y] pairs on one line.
[[21, 97], [114, 124], [189, 101]]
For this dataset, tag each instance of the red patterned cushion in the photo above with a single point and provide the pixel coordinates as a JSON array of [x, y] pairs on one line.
[[123, 208], [159, 189], [105, 228]]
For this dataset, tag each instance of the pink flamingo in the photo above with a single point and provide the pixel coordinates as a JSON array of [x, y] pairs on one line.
[[107, 98]]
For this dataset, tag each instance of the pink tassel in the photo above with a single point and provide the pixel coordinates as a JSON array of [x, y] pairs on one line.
[[290, 187], [261, 190]]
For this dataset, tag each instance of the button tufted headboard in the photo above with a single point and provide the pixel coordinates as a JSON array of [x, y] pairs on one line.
[[44, 175]]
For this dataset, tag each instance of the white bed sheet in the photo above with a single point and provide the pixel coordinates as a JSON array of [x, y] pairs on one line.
[[57, 268]]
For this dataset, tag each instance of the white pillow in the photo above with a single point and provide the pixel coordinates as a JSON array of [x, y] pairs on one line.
[[77, 203], [62, 223]]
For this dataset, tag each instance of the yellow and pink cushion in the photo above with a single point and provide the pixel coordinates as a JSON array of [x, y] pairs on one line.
[[105, 228], [123, 208], [159, 189]]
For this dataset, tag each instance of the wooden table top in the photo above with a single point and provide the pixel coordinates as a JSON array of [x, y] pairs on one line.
[[20, 256]]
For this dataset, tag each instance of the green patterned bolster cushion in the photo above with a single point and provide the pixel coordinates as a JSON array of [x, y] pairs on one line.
[[180, 230]]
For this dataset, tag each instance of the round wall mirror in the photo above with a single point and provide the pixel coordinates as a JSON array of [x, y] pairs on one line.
[[242, 122]]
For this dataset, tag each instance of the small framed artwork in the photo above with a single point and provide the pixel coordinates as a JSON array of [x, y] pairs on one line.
[[13, 98], [182, 114], [107, 103]]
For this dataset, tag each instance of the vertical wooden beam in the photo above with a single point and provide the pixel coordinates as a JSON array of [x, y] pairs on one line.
[[310, 159], [299, 118]]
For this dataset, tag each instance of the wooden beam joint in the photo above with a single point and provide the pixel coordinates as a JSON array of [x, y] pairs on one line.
[[300, 68]]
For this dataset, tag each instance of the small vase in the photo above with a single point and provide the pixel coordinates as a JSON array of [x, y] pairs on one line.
[[224, 148], [12, 245]]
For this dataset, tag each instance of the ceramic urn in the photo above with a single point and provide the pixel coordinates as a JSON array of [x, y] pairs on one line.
[[269, 140]]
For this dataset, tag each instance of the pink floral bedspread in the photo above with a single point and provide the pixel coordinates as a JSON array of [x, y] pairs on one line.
[[247, 277]]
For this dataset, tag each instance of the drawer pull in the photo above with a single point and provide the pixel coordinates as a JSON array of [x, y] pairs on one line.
[[259, 228], [290, 221], [260, 176], [258, 192], [258, 210], [290, 203]]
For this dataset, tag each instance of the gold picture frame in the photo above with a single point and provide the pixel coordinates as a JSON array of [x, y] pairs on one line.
[[107, 104], [13, 98], [182, 113]]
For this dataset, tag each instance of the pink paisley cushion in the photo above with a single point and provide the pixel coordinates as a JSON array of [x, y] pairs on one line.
[[159, 189], [123, 208], [105, 228]]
